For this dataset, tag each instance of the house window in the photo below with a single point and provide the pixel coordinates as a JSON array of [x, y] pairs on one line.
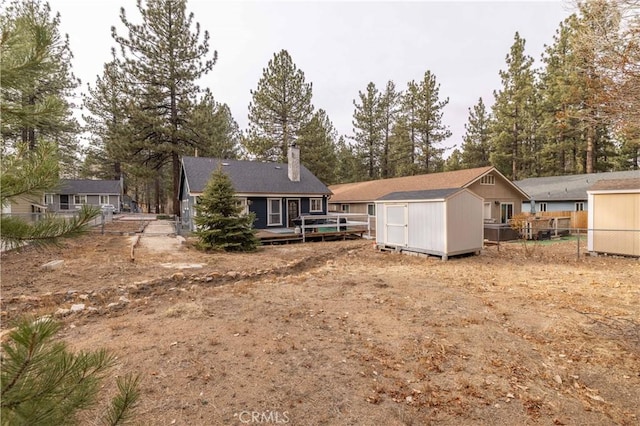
[[488, 180], [344, 208], [48, 199], [542, 207], [506, 212], [274, 213], [104, 199], [580, 206], [487, 211], [371, 209], [316, 204], [79, 199]]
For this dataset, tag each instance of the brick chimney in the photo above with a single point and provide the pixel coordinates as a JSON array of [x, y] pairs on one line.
[[294, 163]]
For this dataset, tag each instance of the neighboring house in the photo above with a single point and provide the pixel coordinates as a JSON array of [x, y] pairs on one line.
[[564, 193], [442, 222], [277, 193], [71, 194], [502, 199], [29, 207], [614, 217]]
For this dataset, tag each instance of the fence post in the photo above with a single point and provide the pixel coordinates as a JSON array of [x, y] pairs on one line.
[[103, 220], [578, 246]]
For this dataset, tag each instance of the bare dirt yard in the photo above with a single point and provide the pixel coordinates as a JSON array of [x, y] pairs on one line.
[[337, 333]]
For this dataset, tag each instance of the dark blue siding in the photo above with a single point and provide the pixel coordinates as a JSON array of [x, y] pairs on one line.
[[258, 206]]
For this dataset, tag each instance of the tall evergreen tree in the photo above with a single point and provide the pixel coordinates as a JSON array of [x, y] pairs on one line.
[[220, 222], [317, 142], [368, 126], [107, 123], [512, 114], [476, 146], [429, 129], [389, 105], [214, 128], [402, 148], [561, 97], [162, 59], [349, 168], [280, 107], [36, 81]]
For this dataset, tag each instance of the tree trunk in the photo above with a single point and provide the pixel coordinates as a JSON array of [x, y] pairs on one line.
[[175, 160], [589, 160]]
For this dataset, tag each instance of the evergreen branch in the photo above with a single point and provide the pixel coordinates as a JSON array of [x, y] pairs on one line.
[[48, 231], [124, 402]]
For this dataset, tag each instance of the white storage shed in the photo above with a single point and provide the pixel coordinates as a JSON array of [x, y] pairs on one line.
[[441, 222], [614, 217]]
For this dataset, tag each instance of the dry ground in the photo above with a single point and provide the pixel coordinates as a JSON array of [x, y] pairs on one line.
[[338, 333]]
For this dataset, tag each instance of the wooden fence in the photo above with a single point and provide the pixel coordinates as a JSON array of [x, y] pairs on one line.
[[578, 219]]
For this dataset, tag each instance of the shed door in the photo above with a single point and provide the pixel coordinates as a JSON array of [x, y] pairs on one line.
[[396, 224]]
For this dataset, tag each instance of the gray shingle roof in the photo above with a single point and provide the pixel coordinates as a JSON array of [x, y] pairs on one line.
[[88, 186], [251, 177], [568, 188], [431, 194]]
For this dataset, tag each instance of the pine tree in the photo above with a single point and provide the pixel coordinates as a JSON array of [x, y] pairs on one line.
[[512, 114], [107, 122], [162, 58], [405, 135], [280, 107], [389, 106], [348, 167], [476, 147], [454, 162], [220, 222], [46, 384], [36, 81], [368, 126], [317, 142], [561, 97], [215, 130]]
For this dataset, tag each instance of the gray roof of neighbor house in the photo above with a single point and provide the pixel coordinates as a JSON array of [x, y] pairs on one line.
[[88, 186], [431, 194], [568, 188], [250, 177]]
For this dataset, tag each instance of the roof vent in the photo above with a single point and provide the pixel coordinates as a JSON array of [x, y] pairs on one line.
[[278, 167], [225, 164]]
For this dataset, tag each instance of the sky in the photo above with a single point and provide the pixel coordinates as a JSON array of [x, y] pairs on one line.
[[340, 46]]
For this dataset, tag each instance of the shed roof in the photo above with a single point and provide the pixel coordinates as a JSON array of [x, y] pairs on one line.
[[616, 184], [375, 189], [430, 194], [88, 186], [251, 177], [568, 188]]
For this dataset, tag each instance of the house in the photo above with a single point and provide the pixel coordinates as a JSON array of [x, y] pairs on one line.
[[28, 207], [441, 222], [564, 193], [277, 193], [614, 217], [71, 194], [502, 199]]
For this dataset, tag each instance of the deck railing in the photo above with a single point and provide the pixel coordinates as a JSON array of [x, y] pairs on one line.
[[335, 222]]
